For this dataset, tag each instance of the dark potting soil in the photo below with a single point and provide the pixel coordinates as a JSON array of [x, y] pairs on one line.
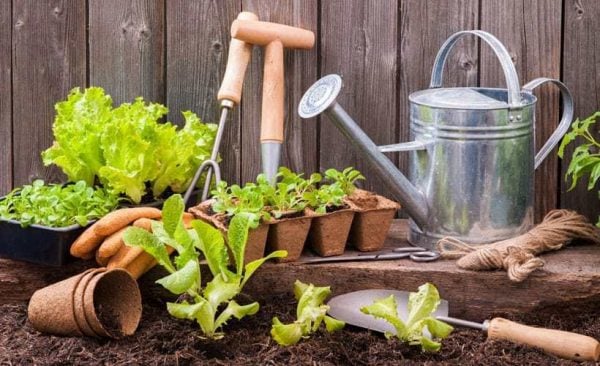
[[109, 320], [162, 340]]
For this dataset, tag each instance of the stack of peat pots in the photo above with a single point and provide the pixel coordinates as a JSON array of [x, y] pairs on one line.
[[363, 222], [95, 303]]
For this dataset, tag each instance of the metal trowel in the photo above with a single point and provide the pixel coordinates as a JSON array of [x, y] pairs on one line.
[[557, 342]]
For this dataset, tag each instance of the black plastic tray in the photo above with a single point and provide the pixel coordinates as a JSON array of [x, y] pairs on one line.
[[37, 243]]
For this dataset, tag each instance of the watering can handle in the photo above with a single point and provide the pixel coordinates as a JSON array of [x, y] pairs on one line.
[[510, 73], [565, 121]]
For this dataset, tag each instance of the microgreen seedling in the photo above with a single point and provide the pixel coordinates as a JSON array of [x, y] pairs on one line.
[[56, 205], [346, 178]]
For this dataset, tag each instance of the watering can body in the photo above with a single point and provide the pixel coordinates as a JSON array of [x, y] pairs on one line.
[[472, 152]]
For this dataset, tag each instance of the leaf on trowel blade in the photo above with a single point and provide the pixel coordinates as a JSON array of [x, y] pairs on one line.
[[421, 305]]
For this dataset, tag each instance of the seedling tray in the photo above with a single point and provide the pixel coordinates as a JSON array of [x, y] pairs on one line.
[[37, 243]]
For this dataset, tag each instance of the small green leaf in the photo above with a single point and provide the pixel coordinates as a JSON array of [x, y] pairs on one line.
[[172, 213], [254, 265], [212, 245], [219, 290], [137, 237], [237, 236], [333, 325], [182, 280], [286, 334], [386, 309], [237, 311]]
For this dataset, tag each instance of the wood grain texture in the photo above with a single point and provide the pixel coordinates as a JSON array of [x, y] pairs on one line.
[[580, 67], [359, 42], [126, 41], [300, 149], [5, 97], [529, 29], [49, 59], [419, 44], [197, 44], [570, 279]]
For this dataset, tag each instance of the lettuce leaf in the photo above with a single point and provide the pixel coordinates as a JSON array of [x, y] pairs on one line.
[[127, 149], [421, 305], [310, 313]]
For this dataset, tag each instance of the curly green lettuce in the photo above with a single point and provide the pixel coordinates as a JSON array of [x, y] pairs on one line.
[[127, 149]]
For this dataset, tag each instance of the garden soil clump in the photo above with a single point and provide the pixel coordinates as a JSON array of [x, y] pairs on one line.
[[162, 340]]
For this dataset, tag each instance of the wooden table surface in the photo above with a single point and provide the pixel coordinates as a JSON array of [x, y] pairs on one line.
[[570, 279]]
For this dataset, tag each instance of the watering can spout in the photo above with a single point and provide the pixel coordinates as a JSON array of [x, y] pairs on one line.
[[321, 98]]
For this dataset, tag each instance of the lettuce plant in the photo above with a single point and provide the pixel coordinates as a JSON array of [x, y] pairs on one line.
[[126, 148], [310, 313], [421, 305], [211, 304], [56, 205], [346, 178], [585, 160]]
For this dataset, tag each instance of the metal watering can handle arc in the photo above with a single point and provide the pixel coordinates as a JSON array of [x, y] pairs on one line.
[[512, 82], [510, 73], [565, 120]]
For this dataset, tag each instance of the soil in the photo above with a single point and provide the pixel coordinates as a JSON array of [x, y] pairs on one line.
[[162, 340], [364, 200], [110, 321]]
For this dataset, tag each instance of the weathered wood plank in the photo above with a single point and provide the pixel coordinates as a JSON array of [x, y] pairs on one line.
[[126, 48], [359, 42], [571, 278], [531, 31], [49, 59], [197, 44], [424, 26], [581, 62], [300, 148], [5, 97]]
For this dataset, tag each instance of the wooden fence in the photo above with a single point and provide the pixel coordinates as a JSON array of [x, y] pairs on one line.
[[174, 51]]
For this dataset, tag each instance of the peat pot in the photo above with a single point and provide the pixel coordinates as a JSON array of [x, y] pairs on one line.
[[472, 160]]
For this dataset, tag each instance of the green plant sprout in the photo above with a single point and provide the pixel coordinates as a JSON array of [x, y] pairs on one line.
[[235, 200], [210, 305], [346, 178], [310, 313], [421, 305]]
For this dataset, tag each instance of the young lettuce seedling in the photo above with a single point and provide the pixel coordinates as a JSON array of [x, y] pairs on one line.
[[421, 305], [236, 200], [288, 194], [327, 196], [310, 314], [210, 305], [346, 178]]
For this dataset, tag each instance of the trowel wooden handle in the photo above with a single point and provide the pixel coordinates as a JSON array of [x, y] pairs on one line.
[[237, 62], [271, 128], [560, 343], [263, 33]]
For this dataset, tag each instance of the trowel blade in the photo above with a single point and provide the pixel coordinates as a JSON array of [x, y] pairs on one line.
[[347, 308]]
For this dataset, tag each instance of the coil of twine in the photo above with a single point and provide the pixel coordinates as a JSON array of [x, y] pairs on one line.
[[518, 255]]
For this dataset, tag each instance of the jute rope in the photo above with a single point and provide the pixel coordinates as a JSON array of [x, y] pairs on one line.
[[518, 255]]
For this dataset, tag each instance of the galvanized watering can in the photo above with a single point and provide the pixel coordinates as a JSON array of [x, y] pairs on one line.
[[472, 160]]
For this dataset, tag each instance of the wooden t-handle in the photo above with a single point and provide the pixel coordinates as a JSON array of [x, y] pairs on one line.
[[237, 61], [271, 129], [560, 343]]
